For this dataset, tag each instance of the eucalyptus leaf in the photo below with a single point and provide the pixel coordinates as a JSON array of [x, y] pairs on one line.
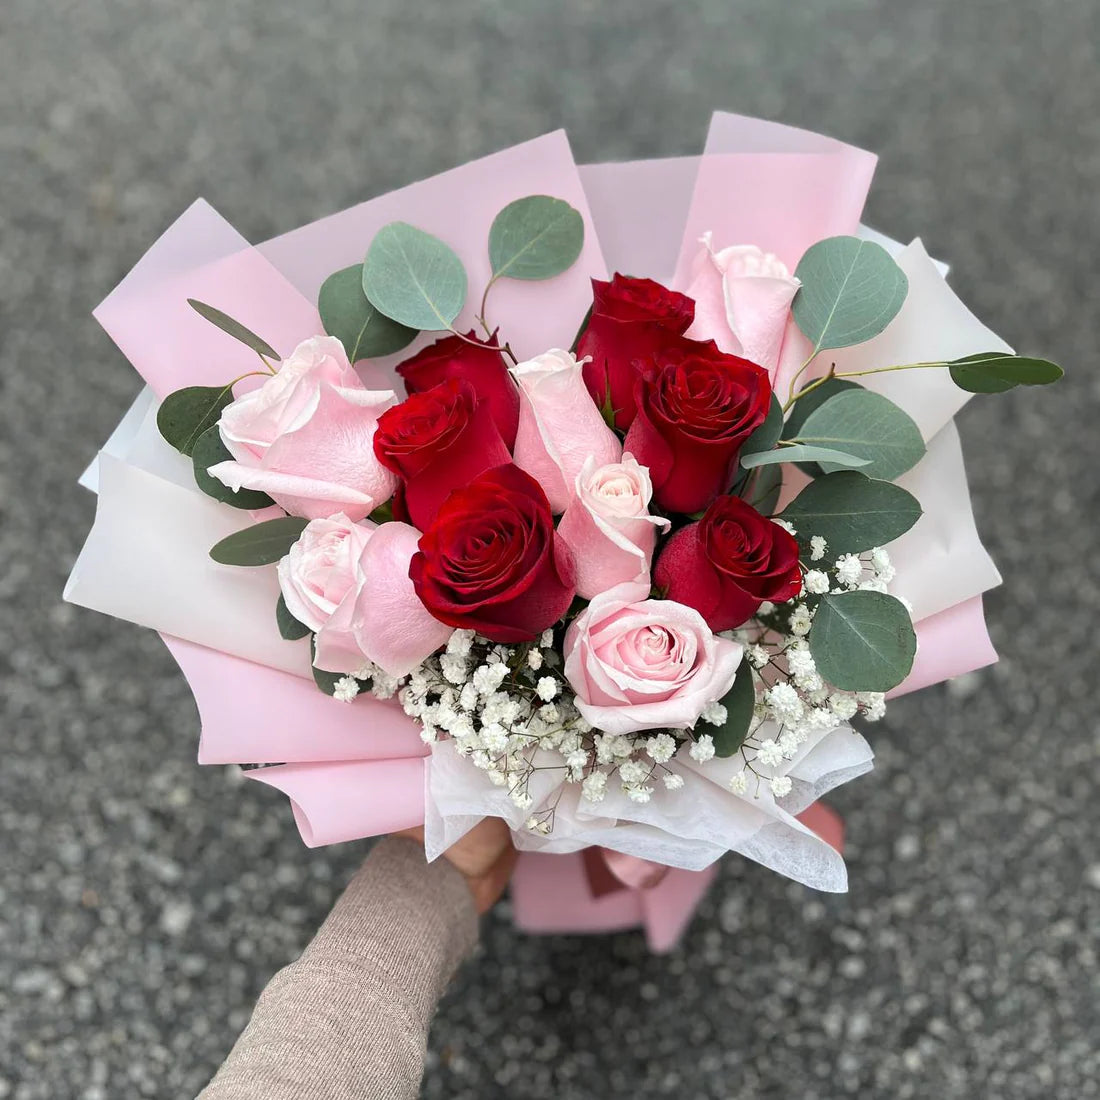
[[763, 488], [862, 641], [536, 237], [186, 414], [802, 452], [739, 702], [767, 435], [365, 331], [851, 290], [233, 328], [997, 371], [289, 627], [817, 397], [866, 425], [414, 278], [261, 544], [852, 512], [208, 451]]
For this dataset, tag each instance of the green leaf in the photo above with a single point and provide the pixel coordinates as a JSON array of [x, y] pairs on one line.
[[851, 290], [739, 702], [802, 452], [289, 627], [803, 406], [767, 435], [536, 237], [414, 278], [866, 425], [997, 371], [186, 414], [261, 544], [763, 487], [383, 513], [233, 328], [208, 451], [365, 332], [852, 512], [862, 641]]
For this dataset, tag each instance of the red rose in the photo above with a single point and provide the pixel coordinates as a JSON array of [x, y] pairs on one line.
[[492, 561], [631, 320], [695, 410], [482, 366], [435, 441], [729, 563]]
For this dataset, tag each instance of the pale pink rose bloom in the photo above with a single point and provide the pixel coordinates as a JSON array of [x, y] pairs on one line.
[[608, 526], [638, 664], [743, 301], [306, 436], [559, 426], [349, 582]]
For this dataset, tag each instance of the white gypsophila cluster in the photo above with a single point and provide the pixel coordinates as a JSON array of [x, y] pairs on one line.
[[503, 705], [793, 698]]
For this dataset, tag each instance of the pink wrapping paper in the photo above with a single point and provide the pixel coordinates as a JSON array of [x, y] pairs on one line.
[[350, 799], [272, 717], [949, 644]]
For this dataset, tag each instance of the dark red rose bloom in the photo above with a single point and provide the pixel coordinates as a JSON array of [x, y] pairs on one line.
[[631, 320], [695, 408], [729, 563], [435, 441], [482, 366], [492, 561]]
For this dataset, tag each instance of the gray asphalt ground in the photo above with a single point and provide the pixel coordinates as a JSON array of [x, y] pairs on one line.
[[144, 902]]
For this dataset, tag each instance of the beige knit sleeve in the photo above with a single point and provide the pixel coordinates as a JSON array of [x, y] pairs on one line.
[[349, 1020]]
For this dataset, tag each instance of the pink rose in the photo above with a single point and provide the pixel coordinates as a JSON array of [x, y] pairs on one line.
[[306, 436], [638, 664], [743, 301], [349, 583], [559, 426], [608, 526]]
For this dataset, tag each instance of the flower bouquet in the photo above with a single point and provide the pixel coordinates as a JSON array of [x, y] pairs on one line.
[[601, 500]]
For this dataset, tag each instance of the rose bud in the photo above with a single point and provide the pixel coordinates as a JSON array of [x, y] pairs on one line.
[[729, 563], [631, 320], [695, 410], [492, 562], [640, 664], [559, 427], [478, 362], [306, 436], [435, 441], [349, 583], [743, 301], [608, 526]]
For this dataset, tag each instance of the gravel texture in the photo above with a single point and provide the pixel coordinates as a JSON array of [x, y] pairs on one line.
[[145, 901]]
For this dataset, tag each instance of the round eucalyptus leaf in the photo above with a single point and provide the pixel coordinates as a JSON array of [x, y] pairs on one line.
[[186, 414], [209, 450], [414, 278], [536, 237], [866, 425], [851, 290], [852, 512], [365, 331], [862, 641]]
